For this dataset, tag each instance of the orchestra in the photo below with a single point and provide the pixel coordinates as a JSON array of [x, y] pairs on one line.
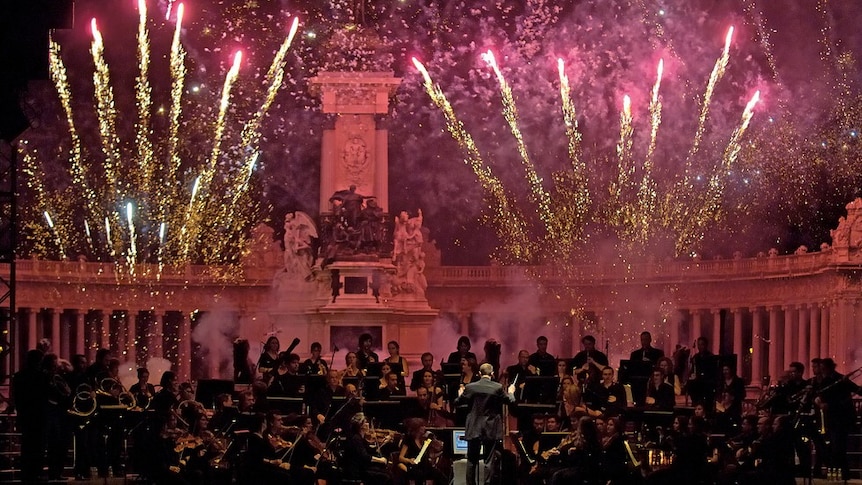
[[571, 419]]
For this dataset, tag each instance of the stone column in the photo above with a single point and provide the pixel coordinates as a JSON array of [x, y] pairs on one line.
[[825, 325], [80, 335], [737, 338], [105, 337], [803, 334], [66, 338], [757, 343], [787, 336], [32, 328], [715, 339], [184, 348], [814, 333], [132, 337], [774, 364], [696, 326], [673, 334], [122, 322], [93, 331], [155, 336], [56, 344]]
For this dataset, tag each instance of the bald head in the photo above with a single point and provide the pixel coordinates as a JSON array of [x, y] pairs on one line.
[[486, 369]]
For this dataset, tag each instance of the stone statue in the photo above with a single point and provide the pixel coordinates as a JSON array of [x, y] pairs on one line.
[[299, 230], [370, 221], [408, 256]]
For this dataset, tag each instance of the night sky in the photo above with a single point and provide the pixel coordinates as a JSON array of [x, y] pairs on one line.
[[798, 165]]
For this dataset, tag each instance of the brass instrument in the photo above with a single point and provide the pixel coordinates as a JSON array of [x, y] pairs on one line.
[[83, 394]]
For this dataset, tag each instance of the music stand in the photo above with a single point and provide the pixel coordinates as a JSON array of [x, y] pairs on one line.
[[636, 373], [450, 369], [388, 413], [374, 368], [209, 389], [541, 389], [286, 405]]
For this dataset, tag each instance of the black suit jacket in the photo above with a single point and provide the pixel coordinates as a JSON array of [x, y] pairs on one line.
[[652, 354], [485, 399]]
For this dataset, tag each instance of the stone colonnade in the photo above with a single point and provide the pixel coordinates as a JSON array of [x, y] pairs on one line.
[[133, 336]]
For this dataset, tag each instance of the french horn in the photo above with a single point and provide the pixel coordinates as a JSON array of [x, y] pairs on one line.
[[83, 402]]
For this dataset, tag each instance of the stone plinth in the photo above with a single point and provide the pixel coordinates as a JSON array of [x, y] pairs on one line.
[[355, 152]]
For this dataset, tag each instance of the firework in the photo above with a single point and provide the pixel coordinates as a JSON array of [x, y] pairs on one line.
[[178, 75], [106, 111], [510, 113], [507, 220], [143, 95]]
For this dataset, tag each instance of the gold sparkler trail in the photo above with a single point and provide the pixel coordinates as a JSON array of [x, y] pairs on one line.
[[647, 192], [709, 206], [230, 78], [572, 186], [76, 166], [107, 114], [716, 74], [169, 189], [621, 206], [144, 101], [508, 222], [538, 193]]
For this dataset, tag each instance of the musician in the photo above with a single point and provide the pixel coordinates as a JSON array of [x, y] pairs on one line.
[[731, 391], [646, 352], [835, 400], [427, 365], [166, 398], [702, 379], [362, 460], [587, 364], [202, 448], [315, 365], [224, 415], [542, 363], [320, 405], [659, 393], [395, 357], [59, 400], [517, 373], [143, 390], [462, 352], [392, 388], [305, 455], [608, 396], [246, 402], [741, 443], [189, 410], [691, 457], [484, 428], [261, 464], [351, 368], [162, 460], [774, 452], [365, 355], [580, 462], [78, 382], [615, 459], [269, 357], [665, 364], [285, 380], [29, 386], [98, 370], [422, 470], [789, 390]]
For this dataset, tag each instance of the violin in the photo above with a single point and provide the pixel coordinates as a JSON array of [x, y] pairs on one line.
[[279, 443]]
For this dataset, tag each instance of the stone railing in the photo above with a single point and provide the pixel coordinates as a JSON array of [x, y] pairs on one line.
[[659, 271]]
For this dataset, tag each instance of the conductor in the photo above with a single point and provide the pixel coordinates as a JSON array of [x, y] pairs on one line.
[[484, 427]]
